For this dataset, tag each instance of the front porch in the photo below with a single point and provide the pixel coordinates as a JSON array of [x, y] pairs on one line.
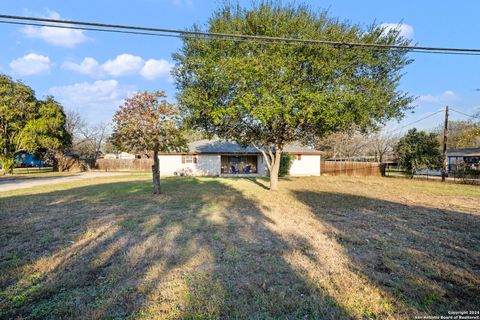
[[245, 165]]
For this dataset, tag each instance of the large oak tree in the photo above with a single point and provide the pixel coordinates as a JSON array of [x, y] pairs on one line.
[[147, 123], [28, 124], [271, 93]]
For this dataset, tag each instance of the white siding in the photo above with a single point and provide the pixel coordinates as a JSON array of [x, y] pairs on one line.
[[169, 164], [262, 166], [208, 165], [308, 165]]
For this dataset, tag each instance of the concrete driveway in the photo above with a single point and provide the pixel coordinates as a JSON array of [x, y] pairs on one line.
[[22, 183]]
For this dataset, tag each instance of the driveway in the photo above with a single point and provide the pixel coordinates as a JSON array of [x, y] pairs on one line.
[[22, 183]]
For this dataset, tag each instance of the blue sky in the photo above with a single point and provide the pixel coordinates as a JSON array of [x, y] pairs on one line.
[[92, 72]]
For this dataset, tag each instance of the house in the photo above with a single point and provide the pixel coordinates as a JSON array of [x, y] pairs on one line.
[[467, 156], [220, 157], [121, 155]]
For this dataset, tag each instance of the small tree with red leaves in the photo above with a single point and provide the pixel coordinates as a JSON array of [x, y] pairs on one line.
[[147, 123]]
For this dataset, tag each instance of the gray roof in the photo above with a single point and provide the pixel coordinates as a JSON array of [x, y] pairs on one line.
[[466, 152], [299, 148], [223, 146]]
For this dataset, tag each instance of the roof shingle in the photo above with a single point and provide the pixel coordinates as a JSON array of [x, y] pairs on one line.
[[224, 146]]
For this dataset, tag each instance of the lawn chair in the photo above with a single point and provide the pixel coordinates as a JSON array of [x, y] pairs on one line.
[[247, 169], [234, 170]]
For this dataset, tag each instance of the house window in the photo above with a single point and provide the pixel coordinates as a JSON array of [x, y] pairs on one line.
[[189, 158]]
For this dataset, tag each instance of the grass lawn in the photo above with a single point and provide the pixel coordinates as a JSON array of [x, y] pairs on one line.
[[320, 248], [26, 173]]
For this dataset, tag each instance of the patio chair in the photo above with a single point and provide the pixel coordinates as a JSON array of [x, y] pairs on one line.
[[234, 170], [247, 169]]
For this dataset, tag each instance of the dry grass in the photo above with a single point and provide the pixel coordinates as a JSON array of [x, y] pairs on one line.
[[27, 173], [326, 247]]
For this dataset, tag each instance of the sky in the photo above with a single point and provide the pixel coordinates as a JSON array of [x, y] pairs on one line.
[[93, 72]]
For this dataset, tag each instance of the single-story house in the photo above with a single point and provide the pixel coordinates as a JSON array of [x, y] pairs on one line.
[[220, 157], [467, 156]]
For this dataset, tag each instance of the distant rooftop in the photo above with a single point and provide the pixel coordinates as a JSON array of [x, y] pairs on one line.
[[223, 146], [471, 152]]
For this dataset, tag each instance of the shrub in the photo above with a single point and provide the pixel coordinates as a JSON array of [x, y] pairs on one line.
[[285, 164], [466, 173], [7, 164]]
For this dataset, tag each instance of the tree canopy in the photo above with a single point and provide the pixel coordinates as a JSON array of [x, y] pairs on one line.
[[271, 93], [461, 133], [418, 150], [28, 124], [148, 123]]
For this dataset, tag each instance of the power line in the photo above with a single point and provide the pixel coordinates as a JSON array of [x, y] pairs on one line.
[[86, 29], [431, 115], [468, 115], [183, 33], [167, 35], [173, 35], [416, 121], [216, 38]]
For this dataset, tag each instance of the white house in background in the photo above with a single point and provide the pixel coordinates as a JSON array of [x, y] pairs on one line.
[[122, 156], [219, 157]]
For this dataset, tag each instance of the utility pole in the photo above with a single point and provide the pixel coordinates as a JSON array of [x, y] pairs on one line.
[[445, 137]]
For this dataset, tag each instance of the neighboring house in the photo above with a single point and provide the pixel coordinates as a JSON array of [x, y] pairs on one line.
[[122, 155], [467, 156], [219, 157]]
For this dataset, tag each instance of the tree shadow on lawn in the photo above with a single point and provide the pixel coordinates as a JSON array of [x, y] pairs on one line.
[[262, 182], [426, 259], [200, 250]]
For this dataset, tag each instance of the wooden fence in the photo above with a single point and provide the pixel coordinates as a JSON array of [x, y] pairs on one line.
[[350, 168], [331, 168], [124, 164]]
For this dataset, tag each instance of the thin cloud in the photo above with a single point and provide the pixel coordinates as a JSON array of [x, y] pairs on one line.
[[406, 30], [89, 66], [153, 69], [56, 36], [183, 3], [31, 64], [98, 100], [446, 96], [122, 65]]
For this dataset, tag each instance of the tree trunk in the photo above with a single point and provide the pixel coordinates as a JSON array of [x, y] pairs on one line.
[[156, 172], [275, 167], [55, 166]]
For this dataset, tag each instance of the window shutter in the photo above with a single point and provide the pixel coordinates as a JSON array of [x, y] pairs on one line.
[[299, 157], [194, 158], [183, 158]]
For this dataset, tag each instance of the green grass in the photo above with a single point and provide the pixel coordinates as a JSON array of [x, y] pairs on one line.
[[213, 248]]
